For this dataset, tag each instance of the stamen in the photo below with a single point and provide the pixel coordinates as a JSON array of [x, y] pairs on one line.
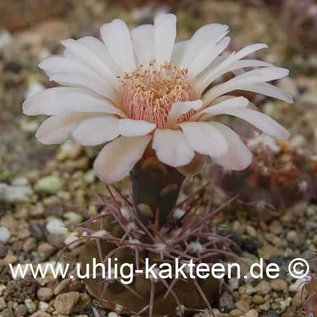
[[149, 93]]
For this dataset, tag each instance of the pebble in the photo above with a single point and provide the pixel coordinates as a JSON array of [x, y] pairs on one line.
[[258, 299], [48, 185], [279, 285], [276, 227], [21, 310], [113, 314], [40, 314], [4, 234], [29, 244], [252, 313], [31, 306], [45, 248], [71, 239], [263, 287], [7, 313], [291, 236], [15, 194], [73, 218], [56, 226], [44, 294], [65, 303], [226, 302], [3, 304], [43, 306], [69, 150], [62, 287]]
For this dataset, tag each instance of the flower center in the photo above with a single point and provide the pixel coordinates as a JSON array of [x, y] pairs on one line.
[[149, 93]]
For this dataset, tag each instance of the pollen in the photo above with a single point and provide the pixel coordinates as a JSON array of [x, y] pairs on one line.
[[149, 93]]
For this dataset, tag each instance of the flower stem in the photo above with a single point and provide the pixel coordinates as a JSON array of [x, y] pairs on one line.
[[155, 190]]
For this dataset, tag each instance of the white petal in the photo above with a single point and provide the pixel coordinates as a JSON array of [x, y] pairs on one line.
[[88, 57], [178, 52], [100, 50], [57, 128], [117, 38], [131, 128], [180, 108], [270, 91], [238, 156], [204, 138], [143, 43], [164, 35], [245, 80], [246, 63], [96, 131], [204, 39], [207, 56], [259, 120], [68, 72], [220, 69], [223, 106], [118, 157], [67, 99], [172, 148]]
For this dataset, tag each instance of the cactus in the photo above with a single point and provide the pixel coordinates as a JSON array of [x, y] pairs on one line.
[[121, 231], [279, 177]]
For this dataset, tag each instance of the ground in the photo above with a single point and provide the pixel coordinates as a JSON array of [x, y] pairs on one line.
[[44, 187]]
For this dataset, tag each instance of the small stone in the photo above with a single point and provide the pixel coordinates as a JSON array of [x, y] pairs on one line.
[[49, 185], [21, 310], [276, 227], [73, 218], [3, 250], [15, 194], [4, 234], [31, 306], [291, 236], [62, 287], [258, 299], [113, 314], [65, 303], [29, 245], [3, 304], [226, 302], [56, 226], [251, 231], [265, 307], [43, 306], [243, 305], [40, 314], [2, 289], [71, 239], [90, 177], [21, 290], [7, 313], [252, 313], [69, 150], [45, 248], [279, 285], [45, 294], [272, 313], [236, 313], [263, 287]]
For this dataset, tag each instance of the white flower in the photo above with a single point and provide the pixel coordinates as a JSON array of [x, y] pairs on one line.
[[140, 89]]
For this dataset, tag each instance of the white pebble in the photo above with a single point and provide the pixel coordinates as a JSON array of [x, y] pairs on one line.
[[43, 306], [71, 238], [73, 218], [113, 314], [4, 235], [56, 226]]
